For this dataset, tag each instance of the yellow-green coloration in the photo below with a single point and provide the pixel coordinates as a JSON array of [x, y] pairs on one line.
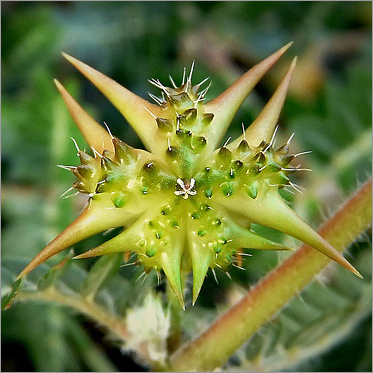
[[185, 205]]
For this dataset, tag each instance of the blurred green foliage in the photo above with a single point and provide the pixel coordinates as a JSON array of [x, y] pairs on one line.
[[329, 109]]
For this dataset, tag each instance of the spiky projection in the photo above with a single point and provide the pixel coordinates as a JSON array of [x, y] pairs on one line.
[[184, 204]]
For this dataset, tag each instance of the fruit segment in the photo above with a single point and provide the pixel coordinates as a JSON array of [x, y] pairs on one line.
[[185, 204]]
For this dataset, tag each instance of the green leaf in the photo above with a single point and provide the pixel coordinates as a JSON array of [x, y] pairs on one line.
[[7, 300], [102, 271], [53, 275]]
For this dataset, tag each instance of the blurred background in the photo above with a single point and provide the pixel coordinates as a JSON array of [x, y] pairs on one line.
[[328, 108]]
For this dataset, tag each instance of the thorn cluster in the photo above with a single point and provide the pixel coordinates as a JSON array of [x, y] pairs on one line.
[[185, 204]]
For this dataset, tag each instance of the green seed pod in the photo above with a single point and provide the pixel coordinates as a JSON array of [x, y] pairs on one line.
[[185, 211]]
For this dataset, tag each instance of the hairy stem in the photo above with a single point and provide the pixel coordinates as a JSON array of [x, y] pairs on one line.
[[229, 332], [113, 323]]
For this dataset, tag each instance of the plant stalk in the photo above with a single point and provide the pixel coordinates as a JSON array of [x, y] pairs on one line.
[[115, 324], [212, 349]]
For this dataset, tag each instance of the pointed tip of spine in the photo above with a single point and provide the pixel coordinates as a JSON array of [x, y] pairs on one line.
[[74, 61], [346, 264], [57, 83], [129, 104], [294, 62], [226, 104], [199, 274], [72, 234], [320, 244], [200, 264], [87, 224], [265, 124], [179, 295], [171, 268], [286, 47], [22, 274], [96, 136], [68, 57], [251, 77], [357, 273], [183, 306], [291, 68]]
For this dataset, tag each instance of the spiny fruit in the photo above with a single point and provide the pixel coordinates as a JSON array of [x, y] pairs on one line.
[[184, 204]]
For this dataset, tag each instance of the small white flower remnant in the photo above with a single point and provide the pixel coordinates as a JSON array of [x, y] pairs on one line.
[[186, 188], [149, 326]]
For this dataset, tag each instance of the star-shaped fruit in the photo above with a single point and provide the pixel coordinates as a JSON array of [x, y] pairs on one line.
[[185, 204]]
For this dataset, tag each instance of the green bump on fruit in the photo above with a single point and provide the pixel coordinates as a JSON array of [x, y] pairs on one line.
[[178, 200], [174, 224], [208, 193], [244, 148], [164, 124], [119, 199], [150, 252], [252, 189], [228, 189], [201, 232], [207, 118]]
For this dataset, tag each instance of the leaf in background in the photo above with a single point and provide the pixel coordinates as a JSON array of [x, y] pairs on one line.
[[104, 268], [325, 315], [133, 40], [54, 339], [54, 274], [7, 299]]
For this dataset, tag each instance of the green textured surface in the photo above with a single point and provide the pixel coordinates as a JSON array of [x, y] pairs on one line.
[[330, 113]]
